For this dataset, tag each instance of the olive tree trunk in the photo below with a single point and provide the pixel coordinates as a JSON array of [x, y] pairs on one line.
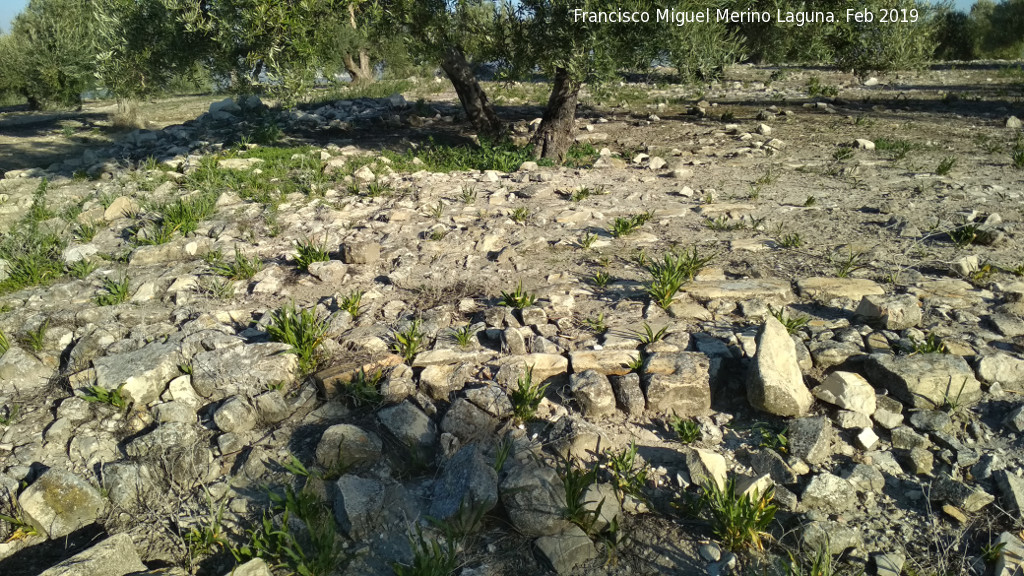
[[474, 100], [554, 135], [361, 70]]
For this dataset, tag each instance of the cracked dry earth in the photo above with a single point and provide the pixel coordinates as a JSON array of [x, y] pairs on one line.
[[887, 424]]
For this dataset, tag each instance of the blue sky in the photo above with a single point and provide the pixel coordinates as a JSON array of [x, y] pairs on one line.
[[10, 8]]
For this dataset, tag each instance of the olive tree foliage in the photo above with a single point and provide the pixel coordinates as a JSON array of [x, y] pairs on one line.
[[866, 46], [144, 45], [550, 34], [700, 52], [48, 56]]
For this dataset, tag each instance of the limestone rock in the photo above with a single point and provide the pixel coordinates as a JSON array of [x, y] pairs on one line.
[[566, 550], [144, 372], [891, 312], [469, 482], [244, 369], [345, 445], [534, 499], [924, 380], [829, 493], [114, 556], [59, 502], [594, 393], [847, 390], [775, 383], [358, 503]]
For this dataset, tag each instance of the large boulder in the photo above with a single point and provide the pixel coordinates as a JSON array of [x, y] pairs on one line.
[[775, 383], [468, 484], [534, 498], [59, 502]]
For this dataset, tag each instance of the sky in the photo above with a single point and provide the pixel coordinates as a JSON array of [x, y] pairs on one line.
[[10, 8]]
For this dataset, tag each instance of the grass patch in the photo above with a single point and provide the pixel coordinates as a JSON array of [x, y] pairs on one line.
[[100, 395], [518, 298], [793, 324], [527, 396], [945, 166], [669, 275], [625, 226], [409, 342], [308, 251], [114, 292], [687, 430], [628, 475], [738, 521], [241, 268]]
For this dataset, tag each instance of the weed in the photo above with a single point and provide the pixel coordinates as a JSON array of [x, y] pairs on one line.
[[772, 438], [739, 521], [527, 396], [85, 231], [114, 292], [11, 414], [791, 241], [35, 340], [625, 226], [600, 279], [207, 538], [649, 335], [468, 194], [964, 235], [438, 234], [897, 149], [816, 88], [577, 480], [81, 268], [433, 557], [242, 268], [581, 155], [636, 364], [219, 288], [945, 165], [723, 224], [792, 323], [408, 342], [596, 324], [1017, 154], [463, 335], [307, 252], [811, 201], [351, 302], [21, 528], [990, 552], [300, 329], [628, 475], [842, 153], [587, 240], [669, 275], [687, 430], [362, 389], [581, 194], [503, 451], [847, 265], [185, 214], [518, 298], [438, 210], [520, 215], [377, 188], [100, 395], [932, 344]]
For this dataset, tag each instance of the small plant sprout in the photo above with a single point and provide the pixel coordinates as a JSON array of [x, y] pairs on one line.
[[351, 302], [518, 298], [811, 201], [300, 329], [463, 335], [792, 323], [362, 389], [649, 335], [791, 241], [596, 324], [430, 556], [636, 364], [628, 475], [625, 226], [10, 414], [468, 194], [81, 268], [577, 480], [21, 528], [408, 343], [772, 438], [114, 292], [5, 344], [588, 240], [100, 395], [527, 396], [964, 236], [242, 268], [846, 265], [438, 210], [932, 344], [687, 430], [308, 252], [669, 275], [35, 340], [600, 279]]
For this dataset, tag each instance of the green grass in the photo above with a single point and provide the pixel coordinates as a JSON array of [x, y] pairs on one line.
[[600, 279], [896, 148], [1017, 154], [463, 335], [577, 480], [431, 556], [10, 414], [596, 324], [791, 240], [739, 522], [650, 335], [352, 302], [300, 329], [815, 88], [363, 389], [35, 340], [85, 232], [847, 265], [932, 344], [520, 215], [518, 298], [241, 268], [5, 344], [114, 292], [582, 193], [588, 240], [945, 166], [625, 226], [526, 396], [409, 342], [687, 430], [308, 251], [964, 236], [723, 224]]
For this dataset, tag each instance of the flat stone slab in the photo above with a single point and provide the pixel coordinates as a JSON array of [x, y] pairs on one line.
[[767, 288], [827, 288]]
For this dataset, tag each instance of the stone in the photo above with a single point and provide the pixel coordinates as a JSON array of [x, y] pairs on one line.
[[174, 412], [1013, 123], [468, 422], [905, 438], [918, 460], [566, 550], [144, 373], [930, 420], [866, 439], [177, 447], [775, 383], [826, 288], [410, 426], [113, 556], [468, 484], [679, 394], [810, 439], [866, 478], [59, 503], [891, 312], [346, 445], [706, 466], [534, 499], [271, 407], [360, 252], [1015, 419], [1011, 555], [607, 362], [1011, 491], [829, 493], [628, 393], [244, 369], [769, 289], [831, 536], [513, 342], [1009, 325], [358, 503], [226, 105], [602, 502], [848, 420], [239, 163], [235, 415], [331, 272], [593, 392], [120, 207], [968, 498], [1002, 368], [847, 390], [925, 380], [863, 144], [889, 563], [771, 463], [888, 412], [254, 567], [22, 372]]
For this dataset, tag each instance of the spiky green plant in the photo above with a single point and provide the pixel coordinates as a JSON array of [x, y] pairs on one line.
[[518, 298], [308, 251], [302, 329], [527, 396], [408, 343], [114, 292], [739, 521]]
